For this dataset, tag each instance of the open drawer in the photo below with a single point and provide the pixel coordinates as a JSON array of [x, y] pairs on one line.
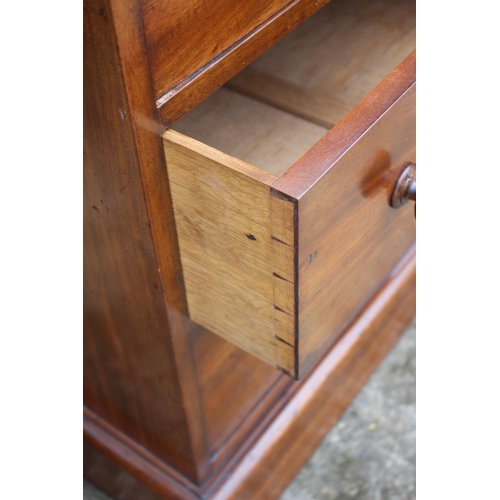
[[279, 255]]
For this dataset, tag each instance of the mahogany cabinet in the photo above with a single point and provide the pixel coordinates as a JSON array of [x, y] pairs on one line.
[[248, 260]]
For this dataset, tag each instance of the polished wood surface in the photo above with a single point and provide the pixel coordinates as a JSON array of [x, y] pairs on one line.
[[317, 403], [115, 480], [236, 391], [143, 374], [176, 102], [180, 409], [349, 237], [344, 237], [223, 215], [182, 37], [279, 446], [127, 377]]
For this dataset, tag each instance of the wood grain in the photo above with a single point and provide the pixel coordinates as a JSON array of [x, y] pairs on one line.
[[328, 64], [223, 218], [143, 373], [279, 446], [115, 480], [349, 237], [318, 402], [283, 215], [118, 446], [236, 390], [249, 130], [320, 109], [182, 37], [127, 375], [176, 406], [345, 236], [179, 100]]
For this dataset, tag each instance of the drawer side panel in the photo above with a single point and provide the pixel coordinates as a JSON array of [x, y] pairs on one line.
[[222, 209]]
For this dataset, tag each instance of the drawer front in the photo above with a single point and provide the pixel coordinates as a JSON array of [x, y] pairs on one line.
[[348, 235], [183, 36], [281, 266]]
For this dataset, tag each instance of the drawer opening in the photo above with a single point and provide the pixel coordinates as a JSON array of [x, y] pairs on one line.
[[280, 182], [278, 107]]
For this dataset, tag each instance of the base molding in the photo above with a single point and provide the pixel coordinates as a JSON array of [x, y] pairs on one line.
[[277, 449]]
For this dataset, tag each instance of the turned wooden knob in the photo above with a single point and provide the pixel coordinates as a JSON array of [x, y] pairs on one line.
[[405, 188]]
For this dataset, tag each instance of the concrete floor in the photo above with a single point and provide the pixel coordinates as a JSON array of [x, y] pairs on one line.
[[370, 453]]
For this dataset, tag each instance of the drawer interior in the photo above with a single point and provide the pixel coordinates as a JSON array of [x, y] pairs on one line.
[[280, 182], [278, 107]]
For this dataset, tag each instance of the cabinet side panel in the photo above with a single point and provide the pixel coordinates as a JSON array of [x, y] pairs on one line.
[[130, 379]]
